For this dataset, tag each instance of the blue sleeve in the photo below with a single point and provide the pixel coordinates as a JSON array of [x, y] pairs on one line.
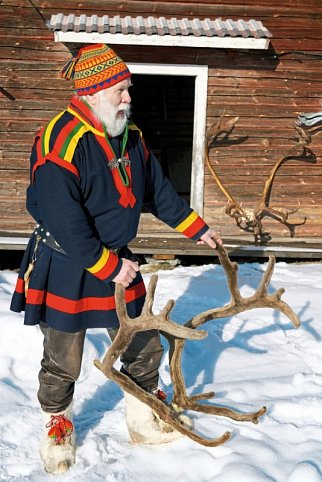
[[162, 200]]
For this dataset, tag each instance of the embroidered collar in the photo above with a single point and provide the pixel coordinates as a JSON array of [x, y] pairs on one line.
[[84, 113], [120, 168]]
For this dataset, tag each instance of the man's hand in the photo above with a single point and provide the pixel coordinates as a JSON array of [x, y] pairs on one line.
[[210, 237], [127, 273]]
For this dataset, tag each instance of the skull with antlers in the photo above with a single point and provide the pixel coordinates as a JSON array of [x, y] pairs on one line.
[[250, 220]]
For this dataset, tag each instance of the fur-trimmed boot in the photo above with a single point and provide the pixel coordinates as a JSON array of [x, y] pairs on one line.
[[145, 427], [57, 448]]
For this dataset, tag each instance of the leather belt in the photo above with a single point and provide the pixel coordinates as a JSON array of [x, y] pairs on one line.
[[47, 238]]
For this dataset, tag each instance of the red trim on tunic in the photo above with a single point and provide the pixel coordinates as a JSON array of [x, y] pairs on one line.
[[36, 297], [57, 160], [127, 197], [51, 156], [20, 286], [66, 305], [40, 159], [198, 224], [85, 113], [61, 162], [64, 133], [109, 267]]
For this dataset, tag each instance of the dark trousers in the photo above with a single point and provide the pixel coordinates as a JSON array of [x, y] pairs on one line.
[[62, 358]]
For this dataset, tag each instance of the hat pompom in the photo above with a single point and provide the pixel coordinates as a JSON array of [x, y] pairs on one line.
[[67, 72]]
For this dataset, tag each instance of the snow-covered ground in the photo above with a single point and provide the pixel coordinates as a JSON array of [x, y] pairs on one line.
[[253, 359]]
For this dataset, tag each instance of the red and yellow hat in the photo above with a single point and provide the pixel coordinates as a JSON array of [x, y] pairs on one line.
[[95, 68]]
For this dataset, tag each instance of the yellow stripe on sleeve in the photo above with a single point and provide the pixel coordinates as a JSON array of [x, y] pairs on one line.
[[187, 222], [73, 143], [101, 262], [48, 131]]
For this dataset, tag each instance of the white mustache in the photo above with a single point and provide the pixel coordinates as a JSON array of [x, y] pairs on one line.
[[126, 108]]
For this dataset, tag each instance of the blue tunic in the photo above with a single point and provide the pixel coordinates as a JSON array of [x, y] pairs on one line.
[[91, 204]]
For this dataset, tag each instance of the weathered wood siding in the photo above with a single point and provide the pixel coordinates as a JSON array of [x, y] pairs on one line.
[[266, 89]]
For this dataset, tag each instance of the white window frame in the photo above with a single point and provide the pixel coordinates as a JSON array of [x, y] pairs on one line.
[[200, 72]]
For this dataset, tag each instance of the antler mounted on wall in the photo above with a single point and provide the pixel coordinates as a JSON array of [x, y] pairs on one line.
[[176, 336], [250, 220]]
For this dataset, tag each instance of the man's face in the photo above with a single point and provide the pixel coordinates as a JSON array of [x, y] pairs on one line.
[[118, 94], [113, 106]]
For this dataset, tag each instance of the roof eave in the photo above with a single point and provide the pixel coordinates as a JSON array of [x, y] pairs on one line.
[[163, 40]]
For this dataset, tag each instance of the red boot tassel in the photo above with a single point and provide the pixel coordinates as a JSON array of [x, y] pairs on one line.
[[60, 429]]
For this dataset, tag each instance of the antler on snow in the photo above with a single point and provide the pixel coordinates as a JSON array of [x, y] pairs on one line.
[[176, 336], [148, 321]]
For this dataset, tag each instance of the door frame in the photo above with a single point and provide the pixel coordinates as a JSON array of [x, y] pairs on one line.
[[200, 72]]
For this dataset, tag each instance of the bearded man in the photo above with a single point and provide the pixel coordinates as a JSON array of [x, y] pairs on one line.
[[91, 174]]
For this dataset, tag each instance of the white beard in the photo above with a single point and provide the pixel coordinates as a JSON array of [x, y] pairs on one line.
[[107, 113]]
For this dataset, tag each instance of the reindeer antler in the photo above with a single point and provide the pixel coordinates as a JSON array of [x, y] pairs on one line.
[[221, 131], [148, 321], [176, 336], [247, 219], [238, 304]]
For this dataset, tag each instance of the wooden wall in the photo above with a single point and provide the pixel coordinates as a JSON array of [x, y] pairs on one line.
[[266, 89]]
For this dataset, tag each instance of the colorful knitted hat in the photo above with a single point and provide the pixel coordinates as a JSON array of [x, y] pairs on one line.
[[95, 68]]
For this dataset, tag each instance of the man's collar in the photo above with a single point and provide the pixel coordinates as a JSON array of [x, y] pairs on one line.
[[84, 113]]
